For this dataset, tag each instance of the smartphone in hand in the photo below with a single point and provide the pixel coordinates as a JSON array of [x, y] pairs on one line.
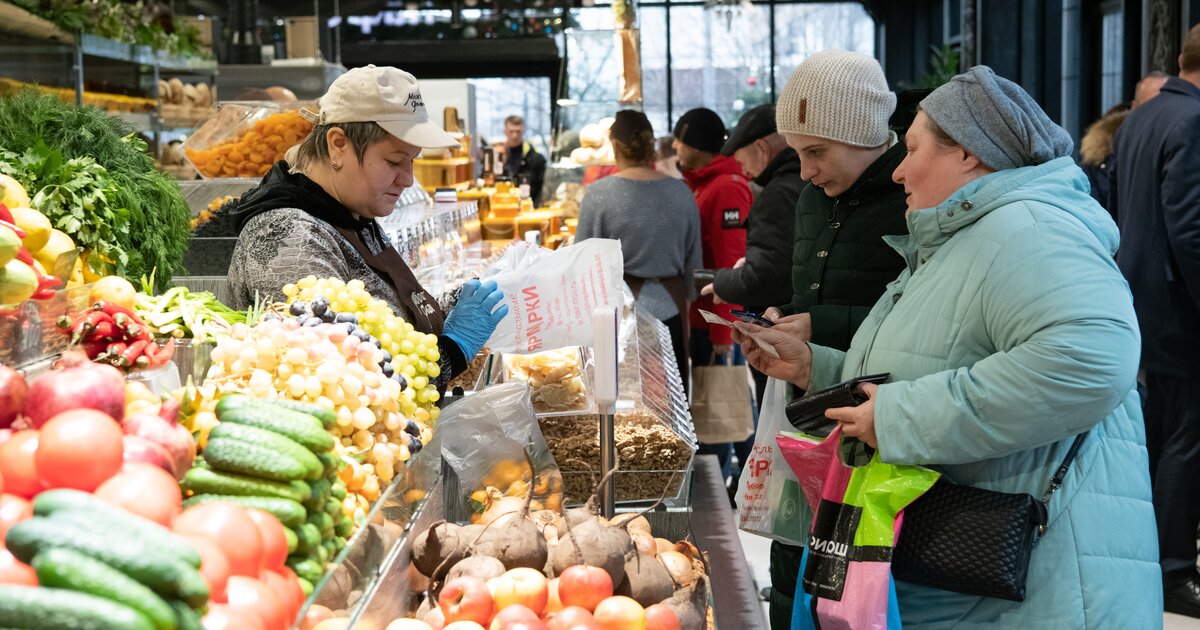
[[750, 317]]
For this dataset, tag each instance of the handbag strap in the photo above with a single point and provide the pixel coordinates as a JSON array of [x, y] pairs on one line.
[[1060, 475]]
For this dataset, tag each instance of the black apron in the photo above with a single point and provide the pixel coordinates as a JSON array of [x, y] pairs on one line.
[[423, 309]]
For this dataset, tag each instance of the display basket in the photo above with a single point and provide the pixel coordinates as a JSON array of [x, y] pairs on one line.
[[245, 138]]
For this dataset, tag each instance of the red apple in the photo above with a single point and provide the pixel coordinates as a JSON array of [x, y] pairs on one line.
[[523, 586], [569, 618], [513, 614], [584, 586], [553, 603], [466, 599], [620, 613], [661, 617]]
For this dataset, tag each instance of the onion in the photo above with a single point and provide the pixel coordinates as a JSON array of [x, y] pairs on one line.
[[139, 449], [679, 566], [80, 384], [13, 391], [175, 439]]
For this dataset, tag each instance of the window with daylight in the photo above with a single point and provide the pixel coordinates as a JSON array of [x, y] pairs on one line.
[[1112, 36]]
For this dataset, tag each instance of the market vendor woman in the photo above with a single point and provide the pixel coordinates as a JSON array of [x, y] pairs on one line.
[[317, 216]]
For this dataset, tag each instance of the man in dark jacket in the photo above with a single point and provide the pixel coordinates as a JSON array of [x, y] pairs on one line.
[[1156, 191], [834, 112], [520, 161]]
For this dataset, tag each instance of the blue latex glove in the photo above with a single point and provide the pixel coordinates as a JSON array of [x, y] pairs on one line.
[[472, 321]]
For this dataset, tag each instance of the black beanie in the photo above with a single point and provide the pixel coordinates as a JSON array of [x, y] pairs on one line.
[[702, 129]]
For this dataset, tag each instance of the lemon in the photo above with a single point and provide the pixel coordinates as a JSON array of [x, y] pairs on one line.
[[36, 226], [57, 245], [9, 245], [76, 274], [17, 282], [12, 194]]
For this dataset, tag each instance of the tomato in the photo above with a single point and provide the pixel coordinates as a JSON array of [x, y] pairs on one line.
[[15, 572], [214, 566], [79, 449], [222, 617], [13, 510], [145, 490], [293, 583], [274, 540], [1, 483], [231, 529], [286, 590], [315, 615], [17, 465], [250, 594]]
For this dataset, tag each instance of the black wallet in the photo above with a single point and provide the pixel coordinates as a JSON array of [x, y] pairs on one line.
[[807, 414]]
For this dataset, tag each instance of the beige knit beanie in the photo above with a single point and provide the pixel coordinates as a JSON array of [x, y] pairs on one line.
[[837, 95]]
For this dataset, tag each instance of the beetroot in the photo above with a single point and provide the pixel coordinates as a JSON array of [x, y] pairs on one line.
[[174, 438], [13, 391], [79, 384]]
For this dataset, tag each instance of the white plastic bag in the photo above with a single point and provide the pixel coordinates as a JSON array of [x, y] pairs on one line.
[[769, 499], [551, 294]]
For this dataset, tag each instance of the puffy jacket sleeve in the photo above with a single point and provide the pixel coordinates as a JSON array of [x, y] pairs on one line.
[[1061, 320], [1181, 201], [765, 279], [727, 244]]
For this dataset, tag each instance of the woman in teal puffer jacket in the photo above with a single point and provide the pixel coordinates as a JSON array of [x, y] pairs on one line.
[[1010, 332]]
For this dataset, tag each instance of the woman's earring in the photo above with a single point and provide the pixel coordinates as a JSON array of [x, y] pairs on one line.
[[337, 166]]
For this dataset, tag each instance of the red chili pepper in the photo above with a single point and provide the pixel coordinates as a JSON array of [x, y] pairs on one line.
[[24, 256], [105, 331], [164, 354], [134, 332], [8, 223], [95, 348], [85, 325], [113, 309], [5, 215], [134, 351], [142, 362], [116, 348]]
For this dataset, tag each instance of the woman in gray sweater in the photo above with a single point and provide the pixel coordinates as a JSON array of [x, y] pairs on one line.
[[655, 218]]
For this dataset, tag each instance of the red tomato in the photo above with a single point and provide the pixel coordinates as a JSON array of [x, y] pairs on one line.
[[288, 591], [13, 510], [214, 566], [79, 449], [222, 617], [15, 572], [1, 483], [17, 465], [231, 528], [145, 490], [250, 594], [274, 540], [294, 586]]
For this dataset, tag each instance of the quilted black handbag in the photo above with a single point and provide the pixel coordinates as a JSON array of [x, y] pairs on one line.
[[974, 541]]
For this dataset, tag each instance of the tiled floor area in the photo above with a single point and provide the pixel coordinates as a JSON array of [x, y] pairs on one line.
[[758, 555]]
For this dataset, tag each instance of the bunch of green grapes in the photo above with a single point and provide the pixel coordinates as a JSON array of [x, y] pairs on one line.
[[411, 353]]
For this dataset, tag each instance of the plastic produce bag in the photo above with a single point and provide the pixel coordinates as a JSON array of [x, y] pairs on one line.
[[769, 500], [846, 574], [488, 442], [551, 294]]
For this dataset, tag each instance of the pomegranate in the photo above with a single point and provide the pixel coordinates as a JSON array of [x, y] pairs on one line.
[[79, 384], [139, 449], [13, 391], [174, 439]]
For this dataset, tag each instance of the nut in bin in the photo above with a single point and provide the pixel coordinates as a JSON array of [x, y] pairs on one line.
[[555, 377]]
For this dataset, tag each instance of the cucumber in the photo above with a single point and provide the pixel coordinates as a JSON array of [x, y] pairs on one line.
[[333, 507], [321, 489], [86, 508], [339, 490], [289, 512], [305, 586], [139, 559], [269, 439], [185, 617], [293, 541], [324, 415], [253, 460], [203, 481], [306, 568], [309, 538], [344, 528], [24, 607], [324, 523], [323, 555], [300, 427], [63, 568]]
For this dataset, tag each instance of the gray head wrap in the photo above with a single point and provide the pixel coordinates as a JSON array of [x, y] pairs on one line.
[[996, 121]]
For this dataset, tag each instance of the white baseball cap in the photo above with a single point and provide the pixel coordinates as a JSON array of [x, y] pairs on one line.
[[387, 96]]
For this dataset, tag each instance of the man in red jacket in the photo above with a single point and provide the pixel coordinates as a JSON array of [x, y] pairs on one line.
[[724, 198]]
